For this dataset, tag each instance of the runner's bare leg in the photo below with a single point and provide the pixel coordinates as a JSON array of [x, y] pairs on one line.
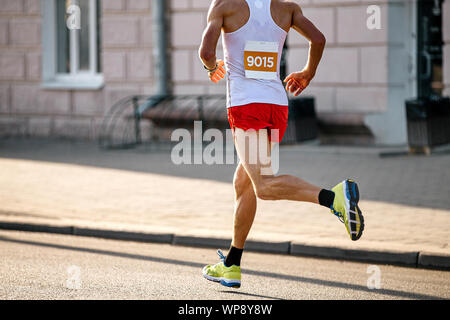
[[244, 208], [268, 186]]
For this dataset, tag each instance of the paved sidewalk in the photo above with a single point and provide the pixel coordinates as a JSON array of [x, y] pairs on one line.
[[405, 199]]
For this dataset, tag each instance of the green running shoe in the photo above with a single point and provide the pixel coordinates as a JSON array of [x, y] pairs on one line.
[[345, 207], [227, 276]]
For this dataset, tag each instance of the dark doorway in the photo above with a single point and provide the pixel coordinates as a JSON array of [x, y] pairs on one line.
[[429, 48]]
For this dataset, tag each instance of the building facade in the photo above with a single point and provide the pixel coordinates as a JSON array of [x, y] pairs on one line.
[[55, 84]]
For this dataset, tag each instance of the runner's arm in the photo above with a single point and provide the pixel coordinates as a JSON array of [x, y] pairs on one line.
[[211, 35], [316, 39], [297, 82]]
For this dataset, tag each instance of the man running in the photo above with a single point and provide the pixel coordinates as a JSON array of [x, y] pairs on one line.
[[254, 32]]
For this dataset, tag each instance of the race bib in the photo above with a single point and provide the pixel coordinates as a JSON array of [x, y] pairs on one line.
[[261, 60]]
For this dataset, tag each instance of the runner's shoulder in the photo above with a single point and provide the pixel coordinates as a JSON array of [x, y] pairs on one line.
[[227, 7], [221, 8], [290, 6]]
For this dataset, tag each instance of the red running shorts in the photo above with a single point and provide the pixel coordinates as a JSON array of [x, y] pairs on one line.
[[259, 116]]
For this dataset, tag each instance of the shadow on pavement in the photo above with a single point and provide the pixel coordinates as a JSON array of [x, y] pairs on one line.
[[409, 180], [249, 294], [327, 283]]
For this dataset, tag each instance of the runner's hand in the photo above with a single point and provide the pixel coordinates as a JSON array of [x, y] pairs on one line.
[[219, 73], [296, 82]]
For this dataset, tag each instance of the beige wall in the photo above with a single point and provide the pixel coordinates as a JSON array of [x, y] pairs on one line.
[[188, 22], [27, 109], [353, 74], [354, 66], [20, 55], [363, 72]]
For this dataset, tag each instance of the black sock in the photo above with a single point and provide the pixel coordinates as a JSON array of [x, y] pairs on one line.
[[326, 198], [233, 257]]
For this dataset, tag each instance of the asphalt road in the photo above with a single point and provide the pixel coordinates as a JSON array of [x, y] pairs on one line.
[[45, 266]]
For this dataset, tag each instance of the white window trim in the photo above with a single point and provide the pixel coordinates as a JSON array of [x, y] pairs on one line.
[[75, 79]]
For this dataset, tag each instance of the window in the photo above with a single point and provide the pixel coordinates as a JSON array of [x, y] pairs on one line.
[[71, 58]]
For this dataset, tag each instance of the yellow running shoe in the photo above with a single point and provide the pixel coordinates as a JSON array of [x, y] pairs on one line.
[[227, 276], [345, 207]]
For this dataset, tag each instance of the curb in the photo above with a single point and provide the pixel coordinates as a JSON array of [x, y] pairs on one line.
[[123, 235], [85, 232], [255, 246], [401, 258], [398, 258], [430, 260], [200, 242], [268, 247], [36, 228]]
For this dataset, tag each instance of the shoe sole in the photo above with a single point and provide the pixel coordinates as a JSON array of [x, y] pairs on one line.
[[351, 192], [231, 284]]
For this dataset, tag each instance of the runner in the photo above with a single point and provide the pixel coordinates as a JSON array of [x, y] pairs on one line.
[[253, 33]]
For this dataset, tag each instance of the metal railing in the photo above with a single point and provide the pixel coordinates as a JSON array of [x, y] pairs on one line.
[[121, 127]]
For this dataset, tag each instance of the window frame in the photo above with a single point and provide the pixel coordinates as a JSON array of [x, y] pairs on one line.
[[74, 79]]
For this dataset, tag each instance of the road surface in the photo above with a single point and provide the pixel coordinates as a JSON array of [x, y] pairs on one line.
[[46, 266]]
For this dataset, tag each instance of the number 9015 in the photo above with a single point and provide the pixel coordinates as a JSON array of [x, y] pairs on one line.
[[260, 62]]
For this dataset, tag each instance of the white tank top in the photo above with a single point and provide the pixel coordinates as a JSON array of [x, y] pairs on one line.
[[252, 59]]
